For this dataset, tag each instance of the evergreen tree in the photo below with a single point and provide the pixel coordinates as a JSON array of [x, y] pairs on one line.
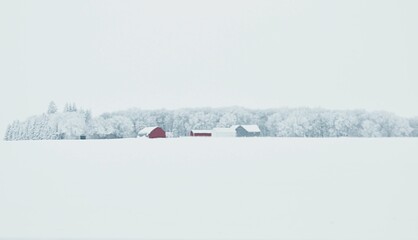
[[14, 131], [73, 108], [87, 116], [66, 107], [70, 107], [8, 133], [52, 108]]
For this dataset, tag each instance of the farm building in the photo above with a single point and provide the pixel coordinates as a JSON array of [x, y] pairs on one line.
[[223, 132], [201, 133], [247, 130], [152, 132]]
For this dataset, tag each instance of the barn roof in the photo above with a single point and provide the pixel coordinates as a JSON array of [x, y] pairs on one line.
[[248, 128], [146, 130], [202, 131], [224, 130]]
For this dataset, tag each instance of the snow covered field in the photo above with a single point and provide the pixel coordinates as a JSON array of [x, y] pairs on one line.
[[210, 188]]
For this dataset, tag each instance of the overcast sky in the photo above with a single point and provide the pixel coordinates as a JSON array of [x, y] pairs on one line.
[[114, 55]]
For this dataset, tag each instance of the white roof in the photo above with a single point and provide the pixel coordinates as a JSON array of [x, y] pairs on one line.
[[248, 128], [202, 131], [146, 130], [235, 126], [224, 130]]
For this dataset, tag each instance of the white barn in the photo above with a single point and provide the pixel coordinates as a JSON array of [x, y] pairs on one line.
[[224, 132]]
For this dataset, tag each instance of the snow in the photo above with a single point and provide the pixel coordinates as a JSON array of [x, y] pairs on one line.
[[146, 131], [202, 131], [210, 188], [248, 128]]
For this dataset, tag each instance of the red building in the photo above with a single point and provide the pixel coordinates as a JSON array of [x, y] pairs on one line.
[[152, 132], [201, 133]]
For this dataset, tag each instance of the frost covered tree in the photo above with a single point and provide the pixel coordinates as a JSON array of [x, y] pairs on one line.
[[47, 130], [87, 115], [390, 125], [347, 124], [69, 125], [111, 127], [292, 123], [181, 124], [413, 123], [370, 129], [198, 120], [52, 108], [14, 129], [283, 122], [227, 120], [122, 127], [70, 107], [7, 136], [100, 128], [67, 108]]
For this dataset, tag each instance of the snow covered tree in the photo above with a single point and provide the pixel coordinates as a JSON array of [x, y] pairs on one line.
[[346, 124], [52, 108], [413, 123], [181, 124], [14, 130], [283, 122], [70, 107], [370, 129], [227, 120], [70, 125], [67, 108], [87, 115], [122, 127], [7, 135], [100, 128]]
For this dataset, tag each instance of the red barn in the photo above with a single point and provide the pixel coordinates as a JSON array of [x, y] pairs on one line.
[[152, 132], [201, 133]]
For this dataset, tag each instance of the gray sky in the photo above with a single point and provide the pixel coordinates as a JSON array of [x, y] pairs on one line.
[[113, 55]]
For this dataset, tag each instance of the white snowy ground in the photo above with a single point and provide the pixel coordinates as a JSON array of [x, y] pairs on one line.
[[207, 188]]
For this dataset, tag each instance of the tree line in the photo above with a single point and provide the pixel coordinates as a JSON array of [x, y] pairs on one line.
[[71, 123]]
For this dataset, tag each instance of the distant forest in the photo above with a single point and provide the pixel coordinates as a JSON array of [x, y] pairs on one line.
[[71, 123]]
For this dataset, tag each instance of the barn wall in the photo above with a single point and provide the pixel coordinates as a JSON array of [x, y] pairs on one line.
[[241, 132], [202, 134], [193, 134], [157, 133]]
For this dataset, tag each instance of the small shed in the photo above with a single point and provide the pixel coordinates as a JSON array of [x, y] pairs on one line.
[[223, 132], [152, 132], [201, 133], [247, 130]]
